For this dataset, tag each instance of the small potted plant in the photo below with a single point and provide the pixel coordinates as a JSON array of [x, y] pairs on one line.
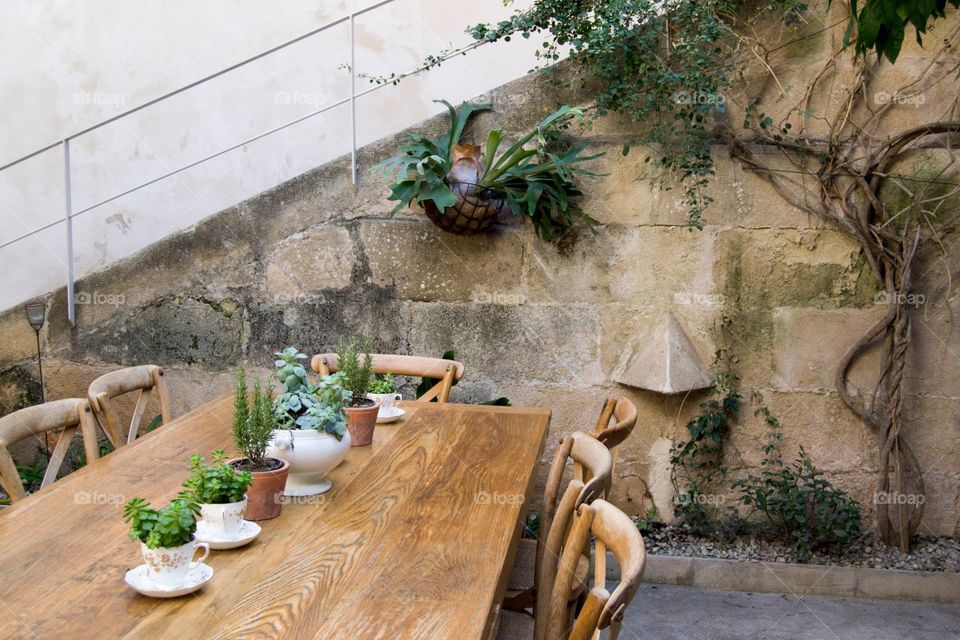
[[311, 429], [357, 373], [383, 391], [221, 491], [463, 187], [166, 537], [253, 426]]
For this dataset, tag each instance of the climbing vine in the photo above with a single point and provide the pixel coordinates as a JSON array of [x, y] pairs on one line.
[[694, 74], [696, 464]]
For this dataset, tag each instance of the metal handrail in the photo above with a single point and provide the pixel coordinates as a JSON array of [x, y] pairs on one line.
[[70, 214], [196, 83]]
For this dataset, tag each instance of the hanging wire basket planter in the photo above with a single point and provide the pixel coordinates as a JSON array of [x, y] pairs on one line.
[[475, 210]]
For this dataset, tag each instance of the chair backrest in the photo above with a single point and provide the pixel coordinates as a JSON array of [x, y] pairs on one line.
[[446, 371], [52, 416], [592, 468], [624, 414], [592, 465], [614, 530], [145, 379]]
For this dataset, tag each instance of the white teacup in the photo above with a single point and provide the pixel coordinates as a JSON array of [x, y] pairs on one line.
[[223, 520], [169, 566], [387, 400]]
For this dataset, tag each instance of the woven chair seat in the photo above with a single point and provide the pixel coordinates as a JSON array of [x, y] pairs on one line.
[[521, 577], [514, 626]]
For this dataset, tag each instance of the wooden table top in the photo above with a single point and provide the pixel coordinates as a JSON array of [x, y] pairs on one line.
[[414, 540]]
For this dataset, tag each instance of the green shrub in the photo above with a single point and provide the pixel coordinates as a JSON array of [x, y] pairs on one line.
[[798, 500]]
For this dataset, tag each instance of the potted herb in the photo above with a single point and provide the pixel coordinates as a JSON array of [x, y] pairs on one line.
[[463, 187], [311, 429], [383, 391], [221, 491], [166, 537], [357, 373], [253, 425]]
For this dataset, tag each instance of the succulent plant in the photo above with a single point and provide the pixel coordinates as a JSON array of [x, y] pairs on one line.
[[304, 405]]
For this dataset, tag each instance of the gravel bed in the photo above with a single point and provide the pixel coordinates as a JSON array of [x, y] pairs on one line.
[[927, 553]]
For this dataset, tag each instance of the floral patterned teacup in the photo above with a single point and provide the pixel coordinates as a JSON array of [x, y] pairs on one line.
[[223, 520], [387, 400], [168, 567]]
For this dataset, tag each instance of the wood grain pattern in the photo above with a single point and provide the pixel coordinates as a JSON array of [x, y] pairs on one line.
[[415, 539]]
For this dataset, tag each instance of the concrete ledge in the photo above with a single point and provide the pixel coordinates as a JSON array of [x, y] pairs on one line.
[[797, 579]]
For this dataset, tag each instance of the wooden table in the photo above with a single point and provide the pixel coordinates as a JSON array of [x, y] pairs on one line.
[[415, 540]]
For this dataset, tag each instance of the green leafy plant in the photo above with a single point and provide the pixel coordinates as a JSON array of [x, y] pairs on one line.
[[253, 421], [797, 500], [31, 475], [217, 483], [383, 384], [304, 405], [881, 25], [697, 463], [537, 182], [356, 370], [168, 527], [649, 520]]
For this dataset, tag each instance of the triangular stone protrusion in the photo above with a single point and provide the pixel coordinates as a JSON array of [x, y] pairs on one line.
[[663, 360]]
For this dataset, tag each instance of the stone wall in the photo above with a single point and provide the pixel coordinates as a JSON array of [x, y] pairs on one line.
[[543, 324]]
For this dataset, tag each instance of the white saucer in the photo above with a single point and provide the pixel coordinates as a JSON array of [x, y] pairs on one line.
[[390, 415], [247, 532], [140, 580]]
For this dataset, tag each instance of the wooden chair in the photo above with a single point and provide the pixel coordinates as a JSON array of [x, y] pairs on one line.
[[592, 467], [52, 416], [145, 379], [447, 371], [612, 529], [624, 413]]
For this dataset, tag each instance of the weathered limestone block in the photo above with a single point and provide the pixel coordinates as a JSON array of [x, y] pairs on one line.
[[422, 262], [310, 262], [19, 340], [315, 325], [933, 367], [832, 436], [810, 343], [655, 265], [511, 343], [170, 331], [625, 194], [578, 268], [214, 260]]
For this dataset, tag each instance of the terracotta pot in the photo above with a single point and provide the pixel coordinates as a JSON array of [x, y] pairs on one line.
[[360, 423], [265, 495]]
